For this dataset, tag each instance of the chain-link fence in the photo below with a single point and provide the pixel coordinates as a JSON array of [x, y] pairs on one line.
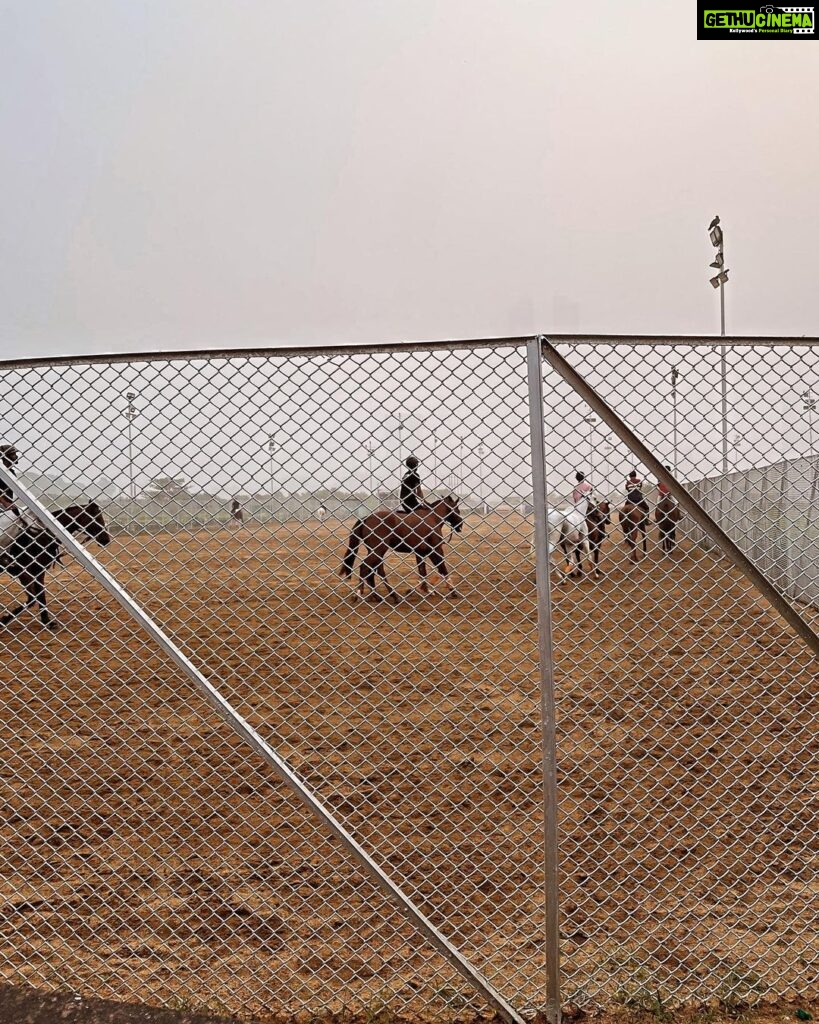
[[150, 853]]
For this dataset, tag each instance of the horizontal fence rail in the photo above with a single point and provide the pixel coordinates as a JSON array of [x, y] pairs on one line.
[[552, 709]]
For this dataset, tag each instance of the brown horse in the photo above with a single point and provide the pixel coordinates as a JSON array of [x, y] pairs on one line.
[[633, 522], [667, 514], [35, 550], [419, 532], [598, 518]]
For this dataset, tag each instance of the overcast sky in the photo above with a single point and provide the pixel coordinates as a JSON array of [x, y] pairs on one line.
[[181, 173]]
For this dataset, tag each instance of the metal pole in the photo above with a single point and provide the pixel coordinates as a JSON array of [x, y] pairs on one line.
[[591, 422], [812, 458], [271, 448], [547, 685], [131, 416], [686, 501], [131, 489], [246, 732], [481, 453], [674, 374]]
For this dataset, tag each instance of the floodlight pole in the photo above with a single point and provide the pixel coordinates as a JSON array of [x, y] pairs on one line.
[[271, 451], [591, 420], [131, 416], [481, 453], [809, 407], [675, 373], [370, 446], [717, 236]]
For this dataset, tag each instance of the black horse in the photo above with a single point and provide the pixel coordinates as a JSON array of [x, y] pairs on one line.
[[32, 553]]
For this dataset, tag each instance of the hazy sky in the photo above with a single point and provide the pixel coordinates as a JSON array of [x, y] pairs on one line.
[[182, 173]]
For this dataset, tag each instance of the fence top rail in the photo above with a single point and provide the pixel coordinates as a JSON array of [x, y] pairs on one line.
[[386, 348]]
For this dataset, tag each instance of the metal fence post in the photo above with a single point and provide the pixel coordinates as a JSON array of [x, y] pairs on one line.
[[547, 691]]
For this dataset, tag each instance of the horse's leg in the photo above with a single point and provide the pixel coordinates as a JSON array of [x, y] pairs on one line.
[[29, 584], [586, 549], [564, 545], [436, 556], [391, 594], [421, 562], [12, 615], [368, 569], [37, 594], [633, 544]]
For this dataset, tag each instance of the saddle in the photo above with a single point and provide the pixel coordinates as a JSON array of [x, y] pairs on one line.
[[629, 505]]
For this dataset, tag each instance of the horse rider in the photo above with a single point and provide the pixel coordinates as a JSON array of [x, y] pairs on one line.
[[663, 490], [12, 523], [411, 495], [582, 493], [634, 492]]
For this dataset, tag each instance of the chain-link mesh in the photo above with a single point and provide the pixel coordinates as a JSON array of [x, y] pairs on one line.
[[688, 711], [150, 856]]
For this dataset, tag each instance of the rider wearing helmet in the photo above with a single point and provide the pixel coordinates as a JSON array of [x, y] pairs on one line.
[[634, 492], [582, 493], [662, 488], [411, 496]]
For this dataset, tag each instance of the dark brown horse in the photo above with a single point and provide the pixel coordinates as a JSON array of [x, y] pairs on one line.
[[634, 522], [419, 532], [32, 553], [598, 518], [667, 515]]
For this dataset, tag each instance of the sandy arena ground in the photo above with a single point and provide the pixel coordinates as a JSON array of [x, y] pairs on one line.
[[148, 856]]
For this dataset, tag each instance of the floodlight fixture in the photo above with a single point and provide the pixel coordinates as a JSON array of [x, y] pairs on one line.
[[715, 282], [718, 261], [716, 236]]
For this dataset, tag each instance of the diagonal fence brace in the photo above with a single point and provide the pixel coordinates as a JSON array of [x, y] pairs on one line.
[[247, 733], [731, 551]]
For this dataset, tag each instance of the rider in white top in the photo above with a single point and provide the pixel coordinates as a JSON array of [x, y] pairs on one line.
[[582, 493]]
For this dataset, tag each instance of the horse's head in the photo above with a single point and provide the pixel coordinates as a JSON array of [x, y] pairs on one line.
[[87, 520], [599, 514], [452, 513]]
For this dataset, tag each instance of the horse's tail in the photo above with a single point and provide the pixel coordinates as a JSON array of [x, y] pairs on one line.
[[352, 549]]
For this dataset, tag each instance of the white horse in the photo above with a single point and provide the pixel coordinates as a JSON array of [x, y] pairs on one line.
[[568, 533]]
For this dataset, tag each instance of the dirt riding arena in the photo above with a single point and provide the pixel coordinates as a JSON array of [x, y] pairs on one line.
[[149, 857]]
